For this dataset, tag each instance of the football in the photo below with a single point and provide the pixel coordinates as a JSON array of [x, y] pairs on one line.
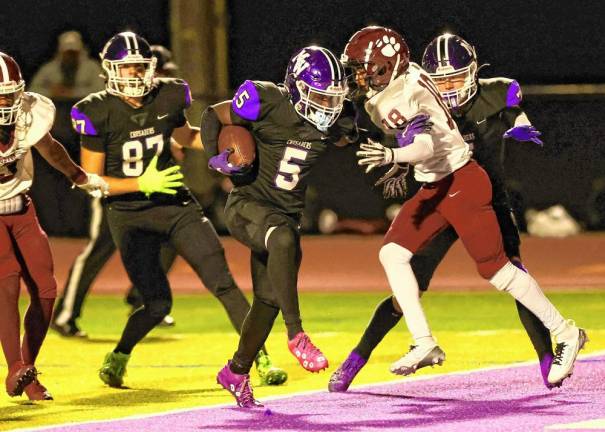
[[241, 141]]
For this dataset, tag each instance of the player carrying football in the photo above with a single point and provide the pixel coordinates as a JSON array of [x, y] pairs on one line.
[[456, 193], [125, 136], [292, 125], [25, 121]]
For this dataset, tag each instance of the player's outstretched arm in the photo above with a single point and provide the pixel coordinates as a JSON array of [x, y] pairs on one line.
[[56, 155], [188, 136]]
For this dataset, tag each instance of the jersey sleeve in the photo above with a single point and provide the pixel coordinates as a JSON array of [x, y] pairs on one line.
[[87, 119], [177, 98], [253, 101]]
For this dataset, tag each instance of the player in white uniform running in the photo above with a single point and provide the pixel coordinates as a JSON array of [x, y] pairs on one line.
[[456, 191]]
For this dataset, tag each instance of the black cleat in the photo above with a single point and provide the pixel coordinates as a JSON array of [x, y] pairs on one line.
[[69, 329]]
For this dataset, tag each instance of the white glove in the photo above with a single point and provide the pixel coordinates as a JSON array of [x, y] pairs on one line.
[[95, 186], [394, 182], [373, 155]]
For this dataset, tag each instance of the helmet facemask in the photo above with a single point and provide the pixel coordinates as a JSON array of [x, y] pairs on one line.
[[129, 86], [10, 113], [320, 107], [456, 86]]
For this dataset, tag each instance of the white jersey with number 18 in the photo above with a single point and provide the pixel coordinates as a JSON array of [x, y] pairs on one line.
[[16, 166], [407, 96]]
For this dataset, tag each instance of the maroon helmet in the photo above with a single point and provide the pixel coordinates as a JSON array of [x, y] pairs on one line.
[[376, 56], [11, 89]]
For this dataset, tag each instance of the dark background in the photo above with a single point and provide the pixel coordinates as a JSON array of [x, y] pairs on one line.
[[533, 42]]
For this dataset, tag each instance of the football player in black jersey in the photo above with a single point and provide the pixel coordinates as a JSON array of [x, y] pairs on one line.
[[125, 137], [292, 124], [487, 113]]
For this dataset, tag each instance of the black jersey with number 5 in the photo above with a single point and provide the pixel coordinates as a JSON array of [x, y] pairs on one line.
[[130, 137], [287, 146]]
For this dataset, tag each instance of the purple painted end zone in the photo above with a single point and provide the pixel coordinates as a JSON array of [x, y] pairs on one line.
[[514, 95], [499, 400], [246, 102]]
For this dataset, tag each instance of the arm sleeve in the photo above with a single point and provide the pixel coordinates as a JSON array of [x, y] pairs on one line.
[[209, 129], [421, 149]]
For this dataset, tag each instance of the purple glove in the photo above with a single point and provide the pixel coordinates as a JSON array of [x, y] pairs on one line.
[[417, 125], [524, 133], [220, 163]]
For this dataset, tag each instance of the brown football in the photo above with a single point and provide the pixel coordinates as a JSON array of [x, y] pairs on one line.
[[241, 141]]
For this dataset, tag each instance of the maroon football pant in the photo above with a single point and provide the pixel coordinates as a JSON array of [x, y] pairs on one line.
[[464, 200], [24, 253]]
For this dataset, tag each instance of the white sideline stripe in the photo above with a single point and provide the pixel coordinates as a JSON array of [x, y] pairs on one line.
[[304, 393], [596, 424], [69, 296]]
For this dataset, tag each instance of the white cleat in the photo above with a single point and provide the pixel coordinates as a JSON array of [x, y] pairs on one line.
[[566, 352], [418, 357]]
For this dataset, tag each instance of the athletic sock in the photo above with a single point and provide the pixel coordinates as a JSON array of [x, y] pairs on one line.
[[526, 290], [236, 305], [255, 330], [538, 334], [282, 267], [9, 319], [139, 324], [36, 322], [384, 319], [396, 262]]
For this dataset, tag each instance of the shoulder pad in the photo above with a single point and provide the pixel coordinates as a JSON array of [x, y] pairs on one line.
[[40, 116], [89, 114], [177, 89], [514, 94], [505, 90], [251, 96]]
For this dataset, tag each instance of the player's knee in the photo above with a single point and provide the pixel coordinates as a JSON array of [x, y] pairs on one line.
[[393, 254], [158, 308], [282, 238]]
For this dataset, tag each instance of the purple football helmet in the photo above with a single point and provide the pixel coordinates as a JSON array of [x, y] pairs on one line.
[[124, 50], [452, 63], [317, 85]]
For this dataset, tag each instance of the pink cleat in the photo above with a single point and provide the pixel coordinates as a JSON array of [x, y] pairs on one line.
[[307, 354], [239, 386]]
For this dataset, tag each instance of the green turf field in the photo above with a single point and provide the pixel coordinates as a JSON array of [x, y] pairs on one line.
[[175, 368]]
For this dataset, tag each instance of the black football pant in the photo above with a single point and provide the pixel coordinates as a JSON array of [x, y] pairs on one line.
[[425, 262], [89, 263], [274, 240], [139, 235]]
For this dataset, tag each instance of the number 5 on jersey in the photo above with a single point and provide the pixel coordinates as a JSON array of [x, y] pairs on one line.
[[289, 168], [132, 154]]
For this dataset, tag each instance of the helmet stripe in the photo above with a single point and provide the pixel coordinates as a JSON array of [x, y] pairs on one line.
[[136, 42], [4, 70], [125, 36], [446, 39], [332, 61]]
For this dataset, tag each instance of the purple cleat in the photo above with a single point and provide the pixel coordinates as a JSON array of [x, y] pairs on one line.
[[342, 378], [239, 386]]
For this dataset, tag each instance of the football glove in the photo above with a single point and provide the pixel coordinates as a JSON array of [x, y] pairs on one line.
[[94, 185], [394, 181], [417, 125], [373, 154], [524, 133], [166, 181], [221, 163]]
